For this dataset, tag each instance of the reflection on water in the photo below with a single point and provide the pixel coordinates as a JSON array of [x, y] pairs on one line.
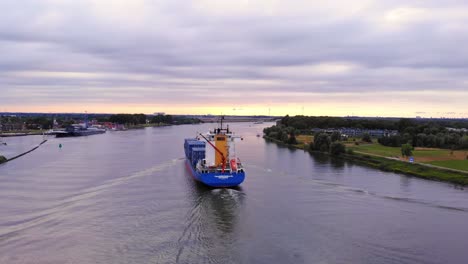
[[337, 163]]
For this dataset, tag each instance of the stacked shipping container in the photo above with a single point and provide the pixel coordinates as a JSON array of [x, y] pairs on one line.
[[194, 150]]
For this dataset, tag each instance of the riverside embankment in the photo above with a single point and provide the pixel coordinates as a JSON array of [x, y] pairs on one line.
[[420, 170]]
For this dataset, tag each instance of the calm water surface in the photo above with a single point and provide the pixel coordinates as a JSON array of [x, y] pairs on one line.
[[125, 197]]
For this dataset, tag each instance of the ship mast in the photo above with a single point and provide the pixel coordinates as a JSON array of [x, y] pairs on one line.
[[223, 159]]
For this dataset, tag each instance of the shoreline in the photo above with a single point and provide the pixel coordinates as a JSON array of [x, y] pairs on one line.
[[41, 132], [21, 134], [396, 166], [4, 159]]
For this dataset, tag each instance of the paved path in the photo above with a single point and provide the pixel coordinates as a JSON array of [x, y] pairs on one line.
[[419, 163]]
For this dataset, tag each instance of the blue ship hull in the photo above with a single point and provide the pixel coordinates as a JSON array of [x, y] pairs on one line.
[[216, 179]]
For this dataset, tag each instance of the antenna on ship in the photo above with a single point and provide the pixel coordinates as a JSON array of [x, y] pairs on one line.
[[86, 119], [222, 118]]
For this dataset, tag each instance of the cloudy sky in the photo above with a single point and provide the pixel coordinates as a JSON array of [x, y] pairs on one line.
[[368, 58]]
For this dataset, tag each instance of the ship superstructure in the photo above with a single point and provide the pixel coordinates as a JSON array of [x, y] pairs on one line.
[[212, 158]]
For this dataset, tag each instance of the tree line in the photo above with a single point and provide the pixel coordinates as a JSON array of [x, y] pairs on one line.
[[47, 122], [322, 141], [432, 133], [400, 124], [30, 123], [138, 119], [128, 119]]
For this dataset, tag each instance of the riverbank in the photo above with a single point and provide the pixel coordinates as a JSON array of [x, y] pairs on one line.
[[22, 133], [41, 132], [146, 125], [450, 159], [393, 165]]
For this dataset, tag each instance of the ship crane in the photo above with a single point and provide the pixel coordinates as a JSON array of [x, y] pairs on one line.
[[223, 159]]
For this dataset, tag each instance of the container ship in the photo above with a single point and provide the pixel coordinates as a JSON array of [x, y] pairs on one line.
[[211, 158]]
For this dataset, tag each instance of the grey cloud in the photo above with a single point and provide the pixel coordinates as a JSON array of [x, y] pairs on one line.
[[179, 48]]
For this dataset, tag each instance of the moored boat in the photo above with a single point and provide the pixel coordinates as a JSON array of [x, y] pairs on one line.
[[211, 158], [78, 131]]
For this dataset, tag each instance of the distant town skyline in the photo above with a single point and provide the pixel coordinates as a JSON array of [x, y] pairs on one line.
[[362, 58]]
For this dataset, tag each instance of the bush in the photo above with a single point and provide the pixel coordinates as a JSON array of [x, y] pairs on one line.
[[322, 142], [292, 140], [335, 136], [391, 141], [366, 138], [283, 136], [406, 150], [349, 151], [2, 159], [337, 148], [311, 146], [273, 135]]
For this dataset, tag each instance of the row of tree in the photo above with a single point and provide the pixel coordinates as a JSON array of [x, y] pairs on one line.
[[128, 119], [138, 119], [418, 133], [308, 122], [412, 126], [449, 140], [37, 122], [322, 141], [328, 143], [284, 134], [47, 122]]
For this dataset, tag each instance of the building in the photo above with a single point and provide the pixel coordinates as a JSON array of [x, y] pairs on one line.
[[357, 132]]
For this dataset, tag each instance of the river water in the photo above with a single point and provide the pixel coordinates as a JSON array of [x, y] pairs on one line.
[[126, 197]]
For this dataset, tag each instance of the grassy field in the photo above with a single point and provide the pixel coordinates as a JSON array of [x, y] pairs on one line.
[[411, 169], [439, 157], [398, 166], [454, 164], [425, 154], [305, 139], [376, 149]]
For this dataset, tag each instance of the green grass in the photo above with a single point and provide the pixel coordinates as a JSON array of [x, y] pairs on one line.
[[377, 149], [411, 169], [452, 164], [432, 153], [381, 150]]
